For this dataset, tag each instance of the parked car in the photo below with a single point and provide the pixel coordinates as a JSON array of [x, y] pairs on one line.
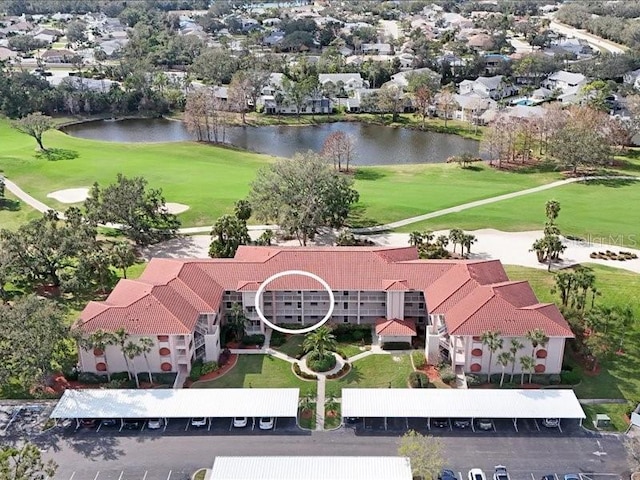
[[155, 423], [131, 424], [447, 474], [352, 420], [462, 423], [484, 424], [476, 474], [500, 473], [240, 422], [266, 423], [440, 422], [572, 476], [199, 422], [550, 476], [88, 422], [109, 422], [551, 422]]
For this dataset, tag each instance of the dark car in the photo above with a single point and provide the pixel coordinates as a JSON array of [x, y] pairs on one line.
[[551, 476], [88, 422], [131, 424], [109, 422], [484, 424], [351, 420], [462, 423], [440, 422], [447, 474]]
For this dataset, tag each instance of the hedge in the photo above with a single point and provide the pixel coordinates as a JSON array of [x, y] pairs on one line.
[[418, 380], [257, 339], [278, 338], [196, 370], [209, 367], [396, 346], [321, 364], [570, 377], [91, 378], [343, 371], [419, 360], [305, 375], [352, 333]]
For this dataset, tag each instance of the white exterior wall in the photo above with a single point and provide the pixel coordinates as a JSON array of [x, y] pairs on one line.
[[116, 362], [395, 304], [212, 345], [552, 363]]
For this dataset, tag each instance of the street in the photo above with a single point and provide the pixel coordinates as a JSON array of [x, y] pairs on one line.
[[151, 455]]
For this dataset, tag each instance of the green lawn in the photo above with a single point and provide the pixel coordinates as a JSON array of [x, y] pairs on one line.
[[14, 213], [210, 179], [619, 376], [310, 421], [616, 411], [349, 349], [259, 371], [590, 210], [374, 371], [292, 347]]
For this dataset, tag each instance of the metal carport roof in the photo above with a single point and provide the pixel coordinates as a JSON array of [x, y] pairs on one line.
[[183, 403], [448, 403], [311, 468]]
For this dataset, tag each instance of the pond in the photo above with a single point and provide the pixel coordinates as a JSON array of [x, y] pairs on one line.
[[374, 144]]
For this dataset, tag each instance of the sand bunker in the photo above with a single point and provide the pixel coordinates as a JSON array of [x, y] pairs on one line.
[[70, 195], [176, 208]]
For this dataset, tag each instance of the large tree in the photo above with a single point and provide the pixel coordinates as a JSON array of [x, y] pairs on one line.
[[49, 252], [25, 463], [493, 341], [34, 125], [228, 233], [31, 333], [139, 212], [425, 453], [301, 195]]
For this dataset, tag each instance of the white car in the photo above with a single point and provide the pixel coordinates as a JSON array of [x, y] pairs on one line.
[[199, 422], [476, 474], [155, 423], [240, 422], [266, 423], [551, 422]]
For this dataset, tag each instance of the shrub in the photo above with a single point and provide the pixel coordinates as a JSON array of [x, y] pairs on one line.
[[447, 374], [396, 346], [418, 380], [91, 378], [474, 379], [277, 338], [352, 333], [209, 367], [305, 375], [345, 368], [224, 357], [120, 376], [196, 370], [257, 339], [570, 377], [321, 363], [419, 360], [163, 378], [71, 374]]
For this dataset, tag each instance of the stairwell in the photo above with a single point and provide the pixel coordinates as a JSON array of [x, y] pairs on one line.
[[461, 378]]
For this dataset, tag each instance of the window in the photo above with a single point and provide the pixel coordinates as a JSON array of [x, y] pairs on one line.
[[313, 304], [421, 305], [267, 303], [299, 319], [345, 305], [345, 319], [287, 304], [383, 304], [288, 317], [229, 304], [299, 304]]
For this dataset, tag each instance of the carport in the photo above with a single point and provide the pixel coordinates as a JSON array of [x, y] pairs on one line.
[[458, 403], [184, 403], [312, 468]]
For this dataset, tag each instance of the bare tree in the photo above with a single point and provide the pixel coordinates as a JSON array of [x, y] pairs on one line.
[[446, 103], [206, 116], [338, 148], [422, 100], [390, 99], [239, 91]]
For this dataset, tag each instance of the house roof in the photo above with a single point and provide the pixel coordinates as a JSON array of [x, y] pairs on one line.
[[490, 82], [474, 295], [395, 327], [567, 77], [339, 77]]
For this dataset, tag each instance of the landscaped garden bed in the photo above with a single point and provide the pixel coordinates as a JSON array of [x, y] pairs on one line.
[[307, 417], [609, 255]]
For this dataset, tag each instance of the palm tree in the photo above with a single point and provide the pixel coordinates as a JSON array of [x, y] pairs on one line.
[[132, 350], [415, 238], [121, 337], [514, 347], [494, 343], [307, 401], [320, 342], [466, 241], [331, 404], [101, 340], [455, 235], [504, 359], [146, 344], [527, 364], [237, 321], [538, 338]]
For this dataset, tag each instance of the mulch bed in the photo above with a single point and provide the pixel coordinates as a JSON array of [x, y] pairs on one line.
[[233, 359], [431, 372], [306, 414]]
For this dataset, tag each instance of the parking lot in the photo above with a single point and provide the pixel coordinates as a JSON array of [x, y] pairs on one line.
[[180, 426], [499, 427], [23, 419]]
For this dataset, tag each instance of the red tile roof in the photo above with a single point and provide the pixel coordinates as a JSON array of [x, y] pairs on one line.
[[395, 327], [474, 295]]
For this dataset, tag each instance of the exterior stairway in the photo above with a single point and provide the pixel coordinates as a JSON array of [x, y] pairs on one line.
[[461, 379]]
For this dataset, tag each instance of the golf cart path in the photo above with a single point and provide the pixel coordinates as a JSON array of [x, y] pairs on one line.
[[41, 207]]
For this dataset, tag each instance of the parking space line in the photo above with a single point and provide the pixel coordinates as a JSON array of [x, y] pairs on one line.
[[97, 474], [169, 476], [72, 475], [145, 475], [121, 474]]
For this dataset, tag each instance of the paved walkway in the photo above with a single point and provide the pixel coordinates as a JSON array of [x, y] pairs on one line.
[[41, 207]]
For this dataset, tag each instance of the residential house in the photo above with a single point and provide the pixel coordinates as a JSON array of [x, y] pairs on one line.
[[401, 79], [568, 84], [90, 84], [471, 107], [347, 82], [55, 55], [273, 100], [493, 87], [376, 49], [181, 304], [7, 54]]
